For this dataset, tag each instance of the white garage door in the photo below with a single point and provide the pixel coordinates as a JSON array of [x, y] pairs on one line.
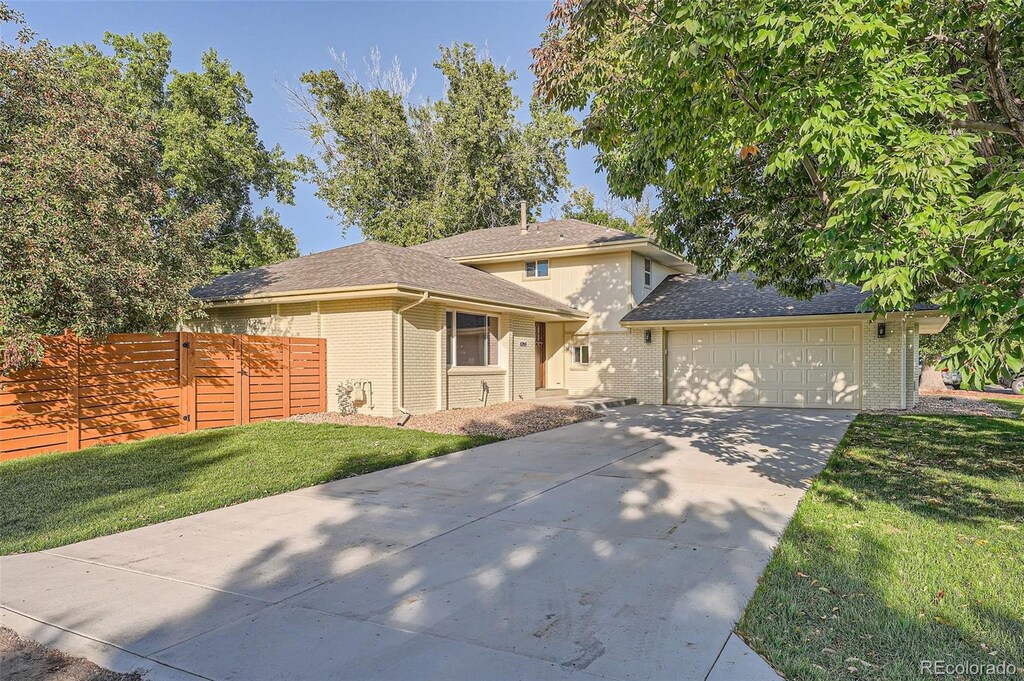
[[790, 366]]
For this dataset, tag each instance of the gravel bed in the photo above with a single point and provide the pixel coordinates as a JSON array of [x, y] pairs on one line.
[[506, 420], [962, 406], [28, 660]]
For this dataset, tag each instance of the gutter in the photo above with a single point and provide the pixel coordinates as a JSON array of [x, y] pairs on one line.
[[401, 356]]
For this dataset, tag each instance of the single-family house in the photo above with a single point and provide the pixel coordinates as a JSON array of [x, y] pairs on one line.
[[568, 307]]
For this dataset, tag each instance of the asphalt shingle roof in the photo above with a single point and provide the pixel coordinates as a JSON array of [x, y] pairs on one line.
[[372, 263], [696, 296], [509, 239]]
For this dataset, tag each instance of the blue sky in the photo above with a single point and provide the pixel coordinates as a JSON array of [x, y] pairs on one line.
[[275, 42]]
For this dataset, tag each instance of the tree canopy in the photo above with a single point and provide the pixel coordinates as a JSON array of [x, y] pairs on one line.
[[211, 152], [86, 238], [582, 205], [871, 142], [407, 173]]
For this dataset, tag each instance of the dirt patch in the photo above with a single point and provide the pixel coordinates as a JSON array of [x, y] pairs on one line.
[[507, 420], [30, 661], [956, 405]]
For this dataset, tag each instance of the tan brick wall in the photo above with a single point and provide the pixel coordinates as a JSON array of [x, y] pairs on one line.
[[475, 387], [523, 362], [622, 365], [423, 332], [883, 374]]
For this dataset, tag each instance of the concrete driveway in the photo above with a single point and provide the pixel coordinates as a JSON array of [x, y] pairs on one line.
[[624, 548]]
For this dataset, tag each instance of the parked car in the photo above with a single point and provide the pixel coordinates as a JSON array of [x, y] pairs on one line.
[[951, 377], [1014, 383]]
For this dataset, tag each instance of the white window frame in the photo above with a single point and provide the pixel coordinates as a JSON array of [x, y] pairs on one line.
[[536, 266], [648, 273], [580, 343], [450, 338]]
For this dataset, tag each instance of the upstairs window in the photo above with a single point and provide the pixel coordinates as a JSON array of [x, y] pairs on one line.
[[648, 272], [536, 268], [472, 339]]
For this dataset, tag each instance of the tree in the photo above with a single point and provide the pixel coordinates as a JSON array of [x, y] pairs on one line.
[[211, 153], [871, 142], [581, 206], [407, 173], [86, 240]]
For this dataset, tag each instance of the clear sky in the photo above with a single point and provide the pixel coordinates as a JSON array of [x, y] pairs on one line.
[[275, 42]]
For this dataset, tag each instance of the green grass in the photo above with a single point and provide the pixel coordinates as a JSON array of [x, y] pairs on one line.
[[1014, 406], [909, 546], [57, 499]]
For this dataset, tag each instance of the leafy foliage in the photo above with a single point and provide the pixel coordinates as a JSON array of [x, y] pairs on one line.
[[211, 153], [86, 238], [876, 143], [582, 206], [406, 173]]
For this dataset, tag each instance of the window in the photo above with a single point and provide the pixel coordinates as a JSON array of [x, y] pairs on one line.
[[472, 339], [648, 272], [536, 268], [580, 351]]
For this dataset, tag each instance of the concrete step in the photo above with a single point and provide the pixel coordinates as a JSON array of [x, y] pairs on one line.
[[603, 404]]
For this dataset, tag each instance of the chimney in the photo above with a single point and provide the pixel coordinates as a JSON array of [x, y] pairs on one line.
[[523, 227]]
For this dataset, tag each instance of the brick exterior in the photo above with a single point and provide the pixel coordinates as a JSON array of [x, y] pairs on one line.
[[622, 365], [523, 364], [882, 374]]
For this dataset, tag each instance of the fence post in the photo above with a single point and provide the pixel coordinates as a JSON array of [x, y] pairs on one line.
[[286, 388], [245, 379], [236, 344], [322, 365], [186, 385], [75, 379]]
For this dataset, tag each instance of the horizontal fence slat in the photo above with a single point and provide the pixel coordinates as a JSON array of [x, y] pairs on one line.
[[127, 387]]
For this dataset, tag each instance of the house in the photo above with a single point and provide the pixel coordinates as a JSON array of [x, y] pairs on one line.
[[568, 307]]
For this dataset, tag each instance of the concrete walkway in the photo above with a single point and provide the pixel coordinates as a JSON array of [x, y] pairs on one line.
[[624, 548]]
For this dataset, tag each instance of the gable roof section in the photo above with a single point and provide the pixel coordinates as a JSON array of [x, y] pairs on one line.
[[685, 297], [554, 234], [372, 263]]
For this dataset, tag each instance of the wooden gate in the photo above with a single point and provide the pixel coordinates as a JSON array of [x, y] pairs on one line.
[[135, 386]]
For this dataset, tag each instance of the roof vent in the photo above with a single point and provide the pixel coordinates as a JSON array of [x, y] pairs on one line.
[[523, 227]]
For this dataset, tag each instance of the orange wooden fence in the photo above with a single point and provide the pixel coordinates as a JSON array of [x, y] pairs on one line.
[[135, 386]]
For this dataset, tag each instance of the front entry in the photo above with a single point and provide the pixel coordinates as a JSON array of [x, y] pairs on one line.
[[540, 337]]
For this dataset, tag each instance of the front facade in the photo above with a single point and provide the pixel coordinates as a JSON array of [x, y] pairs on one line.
[[565, 307]]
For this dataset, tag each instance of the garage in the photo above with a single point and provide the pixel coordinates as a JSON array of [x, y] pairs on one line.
[[784, 366]]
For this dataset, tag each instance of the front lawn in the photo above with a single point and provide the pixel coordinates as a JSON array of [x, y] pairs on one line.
[[908, 547], [57, 499]]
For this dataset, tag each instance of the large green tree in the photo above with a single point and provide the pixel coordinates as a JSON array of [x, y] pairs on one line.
[[406, 173], [211, 152], [86, 240], [872, 142]]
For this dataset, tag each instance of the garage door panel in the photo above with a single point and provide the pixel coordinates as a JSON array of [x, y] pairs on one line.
[[786, 367]]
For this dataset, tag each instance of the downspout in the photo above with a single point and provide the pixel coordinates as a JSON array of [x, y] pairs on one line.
[[401, 355]]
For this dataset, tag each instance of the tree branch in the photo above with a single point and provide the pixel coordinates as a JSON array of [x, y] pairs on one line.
[[982, 126]]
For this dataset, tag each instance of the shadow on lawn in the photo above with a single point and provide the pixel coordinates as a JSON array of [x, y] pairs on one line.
[[934, 466], [56, 499]]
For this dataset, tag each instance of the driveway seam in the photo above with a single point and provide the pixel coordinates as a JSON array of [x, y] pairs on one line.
[[156, 576]]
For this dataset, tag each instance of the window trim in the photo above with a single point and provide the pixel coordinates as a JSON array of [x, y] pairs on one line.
[[536, 266], [451, 356], [648, 273], [579, 343]]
